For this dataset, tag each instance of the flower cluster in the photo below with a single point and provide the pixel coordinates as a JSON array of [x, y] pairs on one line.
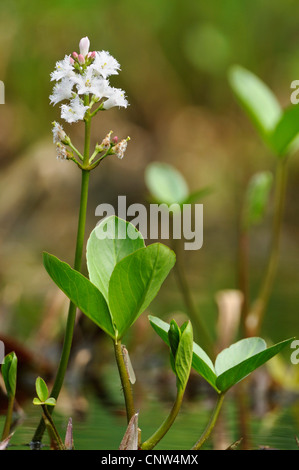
[[83, 75], [82, 79]]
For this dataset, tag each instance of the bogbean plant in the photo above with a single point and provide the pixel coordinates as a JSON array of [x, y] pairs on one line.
[[124, 275], [279, 130], [9, 374]]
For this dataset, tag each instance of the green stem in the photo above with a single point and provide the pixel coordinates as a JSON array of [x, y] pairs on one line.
[[256, 316], [99, 108], [72, 307], [66, 349], [52, 428], [125, 382], [187, 297], [165, 426], [243, 278], [75, 150], [206, 434], [8, 419]]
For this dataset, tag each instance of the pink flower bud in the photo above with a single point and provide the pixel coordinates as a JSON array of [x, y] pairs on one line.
[[93, 54], [72, 61], [115, 140], [84, 46], [75, 55], [81, 59]]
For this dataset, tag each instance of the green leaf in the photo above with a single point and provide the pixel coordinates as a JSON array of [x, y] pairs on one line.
[[257, 99], [109, 242], [204, 366], [242, 358], [232, 364], [41, 389], [238, 352], [81, 292], [50, 401], [174, 335], [36, 401], [165, 183], [286, 131], [9, 373], [135, 282], [257, 197], [200, 360], [184, 355]]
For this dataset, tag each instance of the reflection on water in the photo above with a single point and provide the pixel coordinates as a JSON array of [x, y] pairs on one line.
[[103, 430]]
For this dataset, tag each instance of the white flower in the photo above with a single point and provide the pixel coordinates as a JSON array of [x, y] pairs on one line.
[[73, 112], [84, 46], [63, 69], [58, 133], [85, 74], [88, 83], [104, 64], [63, 90], [115, 98]]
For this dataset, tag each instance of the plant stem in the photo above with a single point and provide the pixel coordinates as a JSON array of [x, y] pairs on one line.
[[72, 307], [187, 296], [66, 349], [165, 426], [52, 428], [211, 424], [8, 419], [126, 385], [243, 280], [255, 317]]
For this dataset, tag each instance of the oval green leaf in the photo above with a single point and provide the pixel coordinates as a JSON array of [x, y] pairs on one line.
[[257, 100], [109, 242], [184, 355], [166, 184], [85, 295], [9, 373], [135, 282], [41, 389], [242, 358], [285, 134], [36, 401], [174, 335], [51, 401]]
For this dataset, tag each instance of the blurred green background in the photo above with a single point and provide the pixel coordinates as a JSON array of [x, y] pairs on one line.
[[174, 57]]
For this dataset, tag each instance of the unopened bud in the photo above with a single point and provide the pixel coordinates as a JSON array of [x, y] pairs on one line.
[[81, 59], [84, 46], [75, 55]]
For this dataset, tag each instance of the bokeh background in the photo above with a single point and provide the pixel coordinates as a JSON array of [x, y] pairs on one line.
[[174, 57]]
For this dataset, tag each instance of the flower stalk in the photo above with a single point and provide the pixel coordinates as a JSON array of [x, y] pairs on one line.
[[81, 79]]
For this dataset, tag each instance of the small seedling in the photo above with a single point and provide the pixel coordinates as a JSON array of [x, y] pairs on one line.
[[9, 374]]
